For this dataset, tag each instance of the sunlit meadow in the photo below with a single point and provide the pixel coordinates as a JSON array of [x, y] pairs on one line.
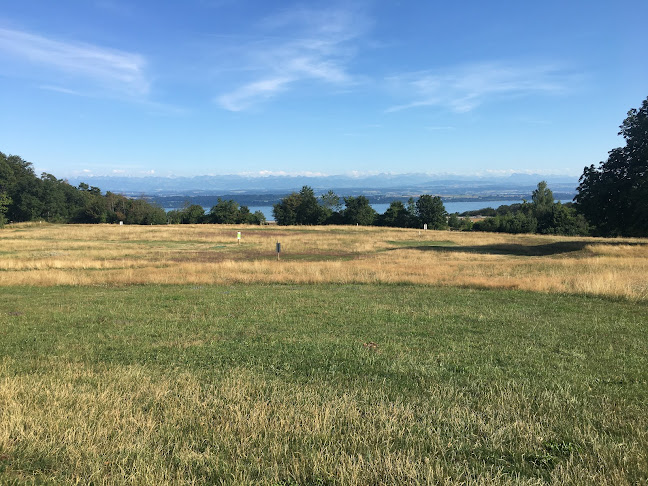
[[362, 356], [179, 254]]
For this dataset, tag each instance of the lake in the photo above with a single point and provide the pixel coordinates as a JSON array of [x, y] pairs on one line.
[[451, 206]]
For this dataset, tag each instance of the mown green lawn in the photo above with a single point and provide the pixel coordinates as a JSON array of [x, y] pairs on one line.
[[320, 384]]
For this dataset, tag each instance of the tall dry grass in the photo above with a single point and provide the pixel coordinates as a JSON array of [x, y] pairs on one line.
[[202, 254]]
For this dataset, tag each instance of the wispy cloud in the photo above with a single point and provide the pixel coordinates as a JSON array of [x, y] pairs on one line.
[[251, 93], [295, 46], [60, 89], [91, 66], [464, 88]]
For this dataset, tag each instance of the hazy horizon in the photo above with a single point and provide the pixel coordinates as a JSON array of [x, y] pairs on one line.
[[112, 87]]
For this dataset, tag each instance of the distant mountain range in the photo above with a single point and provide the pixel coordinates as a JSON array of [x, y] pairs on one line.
[[384, 184]]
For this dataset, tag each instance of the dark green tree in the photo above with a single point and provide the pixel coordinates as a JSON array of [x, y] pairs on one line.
[[331, 201], [285, 211], [174, 216], [331, 206], [257, 217], [613, 197], [490, 224], [193, 214], [116, 205], [18, 182], [431, 211], [53, 195], [299, 208], [140, 211], [5, 201], [541, 207], [454, 221], [243, 216], [91, 205], [517, 222], [565, 220], [396, 216], [542, 196], [466, 224], [308, 210], [224, 212], [357, 210]]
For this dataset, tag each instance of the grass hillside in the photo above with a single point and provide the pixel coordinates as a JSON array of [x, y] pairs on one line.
[[363, 356]]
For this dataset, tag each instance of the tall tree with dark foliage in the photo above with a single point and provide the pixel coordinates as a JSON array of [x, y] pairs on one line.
[[614, 196]]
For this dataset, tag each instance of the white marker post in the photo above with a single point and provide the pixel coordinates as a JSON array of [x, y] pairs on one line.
[[238, 237], [425, 226]]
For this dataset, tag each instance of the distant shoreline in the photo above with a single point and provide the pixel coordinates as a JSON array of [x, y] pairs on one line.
[[207, 201], [454, 206]]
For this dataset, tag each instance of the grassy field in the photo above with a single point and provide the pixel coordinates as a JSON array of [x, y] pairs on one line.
[[207, 254], [314, 370]]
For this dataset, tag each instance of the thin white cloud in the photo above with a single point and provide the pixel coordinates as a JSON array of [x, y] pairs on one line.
[[295, 46], [464, 88], [60, 89], [160, 109], [103, 68], [251, 93]]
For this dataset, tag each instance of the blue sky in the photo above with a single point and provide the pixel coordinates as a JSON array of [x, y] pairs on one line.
[[115, 87]]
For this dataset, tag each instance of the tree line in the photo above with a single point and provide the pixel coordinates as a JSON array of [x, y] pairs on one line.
[[540, 215], [224, 212], [26, 197], [304, 207], [611, 200]]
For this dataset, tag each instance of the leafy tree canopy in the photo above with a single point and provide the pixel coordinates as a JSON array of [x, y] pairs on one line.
[[542, 215], [431, 211], [5, 201], [357, 210], [25, 197], [614, 196], [302, 208]]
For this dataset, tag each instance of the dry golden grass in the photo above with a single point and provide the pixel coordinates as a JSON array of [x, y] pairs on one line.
[[41, 254], [126, 425], [122, 426]]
